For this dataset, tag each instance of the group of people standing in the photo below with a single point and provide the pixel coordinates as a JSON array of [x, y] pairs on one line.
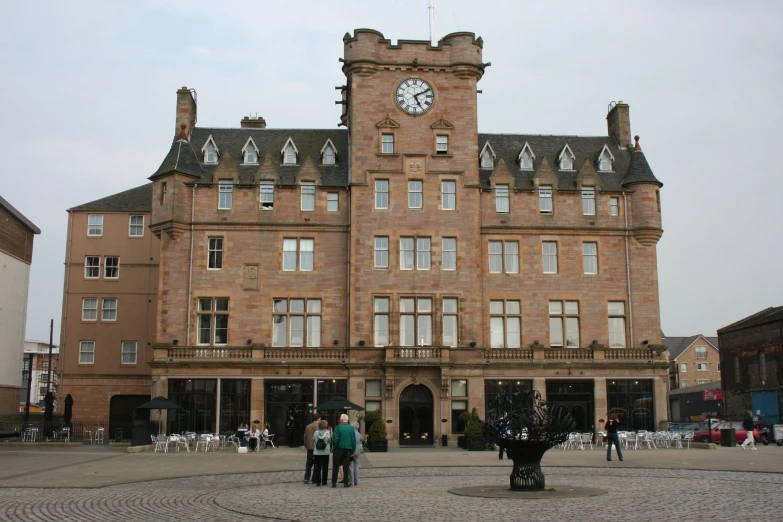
[[343, 442]]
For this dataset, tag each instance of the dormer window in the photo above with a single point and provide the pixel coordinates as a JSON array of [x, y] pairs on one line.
[[328, 153], [289, 152], [605, 160], [566, 159], [487, 157], [526, 158], [250, 152], [210, 151]]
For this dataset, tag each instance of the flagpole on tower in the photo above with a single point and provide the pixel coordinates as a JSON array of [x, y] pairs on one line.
[[432, 22]]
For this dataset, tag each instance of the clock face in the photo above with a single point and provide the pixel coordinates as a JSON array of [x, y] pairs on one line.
[[415, 96]]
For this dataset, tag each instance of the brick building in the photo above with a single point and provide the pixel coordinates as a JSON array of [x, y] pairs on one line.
[[695, 360], [752, 355], [16, 255], [407, 262], [36, 367]]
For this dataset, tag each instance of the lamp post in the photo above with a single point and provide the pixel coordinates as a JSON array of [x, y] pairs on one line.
[[29, 385]]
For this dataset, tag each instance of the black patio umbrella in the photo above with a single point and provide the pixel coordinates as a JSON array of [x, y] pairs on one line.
[[338, 404], [160, 403]]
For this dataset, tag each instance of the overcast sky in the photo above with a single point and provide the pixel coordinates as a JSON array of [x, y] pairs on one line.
[[87, 109]]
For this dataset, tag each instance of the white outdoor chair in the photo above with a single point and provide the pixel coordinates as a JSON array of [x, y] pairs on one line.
[[574, 441], [65, 434], [600, 436], [586, 438], [630, 440], [676, 439], [179, 441], [99, 435], [160, 442], [204, 441], [646, 438], [268, 440], [87, 434], [688, 438]]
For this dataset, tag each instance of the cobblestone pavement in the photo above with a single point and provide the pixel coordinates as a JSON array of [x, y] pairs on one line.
[[410, 494]]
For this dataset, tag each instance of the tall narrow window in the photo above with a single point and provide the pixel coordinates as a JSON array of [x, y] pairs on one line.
[[614, 206], [423, 253], [387, 143], [92, 267], [129, 349], [213, 321], [501, 199], [415, 196], [545, 199], [564, 323], [616, 311], [109, 309], [588, 201], [486, 159], [215, 255], [495, 257], [449, 253], [415, 321], [511, 257], [111, 267], [308, 195], [328, 157], [590, 258], [381, 252], [381, 312], [163, 192], [267, 195], [505, 322], [683, 367], [449, 195], [94, 224], [89, 309], [382, 193], [442, 144], [450, 321], [332, 201], [210, 153], [136, 226], [289, 157], [550, 257], [306, 254], [296, 322], [406, 253], [86, 352], [526, 160], [762, 366], [225, 195]]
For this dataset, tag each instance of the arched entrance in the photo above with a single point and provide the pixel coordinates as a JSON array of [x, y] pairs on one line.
[[416, 416]]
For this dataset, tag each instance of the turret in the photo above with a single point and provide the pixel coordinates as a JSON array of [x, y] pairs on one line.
[[646, 198]]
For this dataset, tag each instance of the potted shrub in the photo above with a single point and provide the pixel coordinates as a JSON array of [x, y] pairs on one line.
[[474, 433], [464, 418], [376, 437]]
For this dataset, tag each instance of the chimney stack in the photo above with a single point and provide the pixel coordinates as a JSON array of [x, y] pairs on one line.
[[253, 123], [186, 111], [619, 123]]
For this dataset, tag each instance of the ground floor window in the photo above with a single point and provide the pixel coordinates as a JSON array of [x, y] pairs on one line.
[[632, 401], [578, 397], [457, 409], [234, 404], [493, 388], [198, 398]]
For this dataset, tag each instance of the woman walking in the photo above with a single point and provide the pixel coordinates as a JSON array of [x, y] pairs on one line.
[[322, 446], [611, 437]]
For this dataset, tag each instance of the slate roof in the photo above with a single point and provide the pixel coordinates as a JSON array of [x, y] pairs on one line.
[[678, 345], [9, 209], [712, 385], [508, 147], [137, 199], [308, 142], [768, 315]]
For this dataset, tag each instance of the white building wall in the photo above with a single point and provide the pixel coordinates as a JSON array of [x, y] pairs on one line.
[[14, 281]]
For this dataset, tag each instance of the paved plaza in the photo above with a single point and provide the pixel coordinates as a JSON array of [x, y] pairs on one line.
[[107, 484]]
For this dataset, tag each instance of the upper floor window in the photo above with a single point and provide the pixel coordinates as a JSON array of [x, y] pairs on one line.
[[415, 196], [332, 201], [225, 195], [89, 309], [449, 195], [449, 253], [505, 321], [501, 199], [387, 143], [136, 225], [382, 193], [163, 191], [328, 156], [503, 254], [701, 367], [526, 158], [289, 153], [109, 309], [701, 352], [215, 254], [111, 267], [564, 318], [210, 152], [549, 249], [381, 252], [683, 368], [566, 159], [486, 160], [95, 224], [590, 257], [92, 267], [442, 144], [450, 322], [129, 350], [86, 352], [605, 160], [616, 311], [251, 152], [381, 321], [305, 253], [588, 201], [415, 321], [213, 321], [421, 254], [308, 195], [267, 195], [296, 322], [545, 205], [614, 206]]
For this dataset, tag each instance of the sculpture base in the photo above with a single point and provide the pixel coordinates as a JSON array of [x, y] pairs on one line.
[[553, 493]]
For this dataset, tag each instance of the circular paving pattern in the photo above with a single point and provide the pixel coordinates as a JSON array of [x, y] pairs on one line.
[[550, 493], [410, 494]]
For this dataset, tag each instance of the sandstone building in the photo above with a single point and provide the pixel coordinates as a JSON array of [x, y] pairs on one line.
[[407, 262]]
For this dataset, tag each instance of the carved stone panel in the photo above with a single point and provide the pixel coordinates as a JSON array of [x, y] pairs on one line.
[[250, 277]]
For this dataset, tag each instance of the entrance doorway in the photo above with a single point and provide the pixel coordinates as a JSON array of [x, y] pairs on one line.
[[577, 396], [416, 416]]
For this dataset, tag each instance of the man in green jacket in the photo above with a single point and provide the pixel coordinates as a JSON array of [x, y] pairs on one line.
[[344, 445]]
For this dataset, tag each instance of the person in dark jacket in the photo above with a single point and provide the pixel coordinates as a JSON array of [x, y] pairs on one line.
[[611, 437], [344, 446], [308, 442], [289, 431], [747, 423]]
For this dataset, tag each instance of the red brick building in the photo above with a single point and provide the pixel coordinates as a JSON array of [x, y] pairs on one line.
[[407, 261]]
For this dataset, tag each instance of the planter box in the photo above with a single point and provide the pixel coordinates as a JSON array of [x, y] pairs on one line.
[[478, 444], [378, 445]]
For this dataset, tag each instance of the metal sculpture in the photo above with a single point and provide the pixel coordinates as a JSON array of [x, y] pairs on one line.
[[526, 427]]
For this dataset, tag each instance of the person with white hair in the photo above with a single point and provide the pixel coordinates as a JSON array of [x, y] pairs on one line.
[[344, 446], [356, 455]]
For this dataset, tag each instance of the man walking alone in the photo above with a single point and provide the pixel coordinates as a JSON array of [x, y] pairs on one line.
[[344, 445], [747, 423], [308, 441]]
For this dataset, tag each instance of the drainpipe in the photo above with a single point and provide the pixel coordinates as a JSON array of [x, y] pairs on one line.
[[190, 262], [628, 269]]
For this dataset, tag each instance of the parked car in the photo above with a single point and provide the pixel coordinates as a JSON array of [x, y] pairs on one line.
[[704, 435]]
